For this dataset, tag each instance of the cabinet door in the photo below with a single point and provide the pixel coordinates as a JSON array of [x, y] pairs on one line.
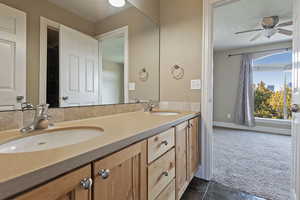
[[123, 175], [73, 186], [193, 148], [182, 177]]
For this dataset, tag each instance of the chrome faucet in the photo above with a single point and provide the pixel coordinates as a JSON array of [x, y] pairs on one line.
[[41, 119], [148, 107]]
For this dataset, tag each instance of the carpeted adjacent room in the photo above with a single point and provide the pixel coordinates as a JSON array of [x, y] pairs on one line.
[[253, 162]]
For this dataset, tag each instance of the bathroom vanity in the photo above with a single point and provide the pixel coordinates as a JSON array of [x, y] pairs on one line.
[[139, 155]]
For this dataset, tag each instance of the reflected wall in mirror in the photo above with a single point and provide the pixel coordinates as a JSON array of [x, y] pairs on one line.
[[78, 54]]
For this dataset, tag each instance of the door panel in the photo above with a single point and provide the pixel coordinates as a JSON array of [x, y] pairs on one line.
[[13, 57], [296, 101], [78, 68]]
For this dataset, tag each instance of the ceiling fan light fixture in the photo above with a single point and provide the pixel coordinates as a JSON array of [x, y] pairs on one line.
[[270, 32], [117, 3]]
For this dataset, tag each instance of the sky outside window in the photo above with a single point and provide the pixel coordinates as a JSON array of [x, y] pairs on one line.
[[273, 78]]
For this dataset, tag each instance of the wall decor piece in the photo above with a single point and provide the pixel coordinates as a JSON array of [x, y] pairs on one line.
[[177, 72], [143, 75]]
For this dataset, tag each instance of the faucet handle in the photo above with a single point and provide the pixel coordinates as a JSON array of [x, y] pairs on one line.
[[26, 106]]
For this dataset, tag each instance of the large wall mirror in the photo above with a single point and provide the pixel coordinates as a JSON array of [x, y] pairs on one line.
[[113, 59]]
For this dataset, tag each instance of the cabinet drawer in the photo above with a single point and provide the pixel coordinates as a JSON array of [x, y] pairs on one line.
[[160, 174], [159, 144], [168, 193]]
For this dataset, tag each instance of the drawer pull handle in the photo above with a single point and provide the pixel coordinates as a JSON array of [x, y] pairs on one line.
[[86, 183], [104, 173], [165, 142], [165, 173]]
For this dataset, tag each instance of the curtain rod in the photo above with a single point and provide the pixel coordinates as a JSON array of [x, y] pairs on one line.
[[240, 54]]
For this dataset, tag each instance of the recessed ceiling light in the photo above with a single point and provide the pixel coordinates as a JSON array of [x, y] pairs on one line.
[[117, 3]]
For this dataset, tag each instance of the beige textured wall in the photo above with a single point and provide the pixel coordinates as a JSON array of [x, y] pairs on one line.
[[181, 37], [148, 7], [226, 74], [143, 50], [34, 9]]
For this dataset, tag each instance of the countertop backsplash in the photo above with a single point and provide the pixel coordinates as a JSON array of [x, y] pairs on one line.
[[18, 119]]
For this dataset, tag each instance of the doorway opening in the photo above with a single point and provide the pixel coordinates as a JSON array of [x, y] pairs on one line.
[[113, 62], [252, 78], [52, 97], [113, 70]]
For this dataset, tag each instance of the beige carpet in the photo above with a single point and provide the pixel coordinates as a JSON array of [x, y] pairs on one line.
[[253, 162]]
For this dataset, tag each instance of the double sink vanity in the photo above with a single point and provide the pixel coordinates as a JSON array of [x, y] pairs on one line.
[[95, 65], [135, 155]]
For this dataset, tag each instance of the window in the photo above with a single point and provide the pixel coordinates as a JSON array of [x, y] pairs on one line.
[[272, 77]]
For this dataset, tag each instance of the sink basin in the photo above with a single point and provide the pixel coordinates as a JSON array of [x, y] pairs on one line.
[[50, 139], [162, 113]]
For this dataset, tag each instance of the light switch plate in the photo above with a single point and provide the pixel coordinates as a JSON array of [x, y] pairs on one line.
[[131, 86], [196, 84]]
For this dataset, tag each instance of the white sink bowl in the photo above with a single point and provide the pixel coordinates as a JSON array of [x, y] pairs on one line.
[[162, 113], [50, 139]]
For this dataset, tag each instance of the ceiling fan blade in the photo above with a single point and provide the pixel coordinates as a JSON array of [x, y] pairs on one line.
[[249, 31], [256, 37], [285, 32], [284, 24]]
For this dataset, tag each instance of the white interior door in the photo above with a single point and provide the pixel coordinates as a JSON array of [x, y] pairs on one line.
[[296, 105], [12, 57], [78, 68]]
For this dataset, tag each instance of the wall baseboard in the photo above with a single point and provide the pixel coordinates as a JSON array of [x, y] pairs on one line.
[[264, 129]]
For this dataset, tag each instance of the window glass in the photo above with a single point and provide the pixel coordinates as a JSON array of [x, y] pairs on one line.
[[272, 79]]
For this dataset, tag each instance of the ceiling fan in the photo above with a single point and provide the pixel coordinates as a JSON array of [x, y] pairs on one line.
[[270, 26]]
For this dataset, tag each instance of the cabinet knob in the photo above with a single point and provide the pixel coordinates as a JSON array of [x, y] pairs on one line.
[[166, 173], [165, 142], [104, 173], [86, 183]]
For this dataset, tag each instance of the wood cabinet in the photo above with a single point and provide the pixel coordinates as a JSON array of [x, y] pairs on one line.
[[158, 168], [76, 185], [182, 177], [193, 148], [160, 144], [168, 193], [161, 173], [122, 175], [187, 154]]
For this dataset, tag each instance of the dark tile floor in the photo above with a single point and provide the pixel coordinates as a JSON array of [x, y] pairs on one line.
[[203, 190]]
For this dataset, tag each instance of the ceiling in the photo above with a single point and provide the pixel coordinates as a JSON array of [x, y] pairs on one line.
[[92, 10], [244, 15]]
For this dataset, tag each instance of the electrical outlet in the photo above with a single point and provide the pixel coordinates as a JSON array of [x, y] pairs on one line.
[[229, 116]]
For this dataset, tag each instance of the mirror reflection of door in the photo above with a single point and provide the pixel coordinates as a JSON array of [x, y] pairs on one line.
[[112, 59]]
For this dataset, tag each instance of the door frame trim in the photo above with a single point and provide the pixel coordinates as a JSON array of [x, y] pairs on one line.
[[44, 24], [125, 31]]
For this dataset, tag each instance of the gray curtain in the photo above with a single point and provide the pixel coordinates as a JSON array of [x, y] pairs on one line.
[[244, 113]]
